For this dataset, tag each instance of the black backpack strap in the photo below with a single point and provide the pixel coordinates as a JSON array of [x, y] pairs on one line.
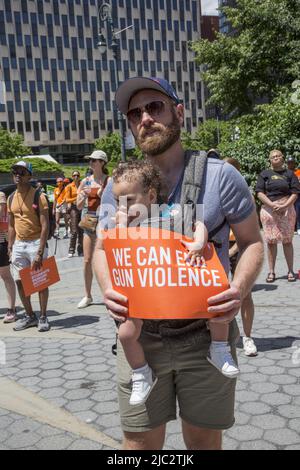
[[36, 202], [10, 200], [195, 166], [195, 169]]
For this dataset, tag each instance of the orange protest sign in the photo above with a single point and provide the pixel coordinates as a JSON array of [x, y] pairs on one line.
[[153, 275], [35, 281]]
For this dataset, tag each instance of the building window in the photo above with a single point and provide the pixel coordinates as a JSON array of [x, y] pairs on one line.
[[81, 129], [26, 110], [51, 130], [73, 116], [42, 112], [67, 130], [36, 131], [96, 129], [57, 116]]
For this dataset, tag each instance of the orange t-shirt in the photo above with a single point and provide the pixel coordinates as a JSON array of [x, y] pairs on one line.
[[27, 222], [71, 193], [60, 195], [297, 173]]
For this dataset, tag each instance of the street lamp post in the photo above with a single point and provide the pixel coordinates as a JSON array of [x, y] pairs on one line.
[[104, 13]]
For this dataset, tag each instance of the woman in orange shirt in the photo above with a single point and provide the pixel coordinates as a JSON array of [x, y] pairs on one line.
[[76, 233], [89, 194], [60, 206]]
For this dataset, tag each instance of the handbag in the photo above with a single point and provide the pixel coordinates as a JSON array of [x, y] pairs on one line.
[[89, 222]]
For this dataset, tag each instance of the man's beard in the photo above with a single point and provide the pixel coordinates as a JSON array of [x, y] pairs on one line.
[[164, 136]]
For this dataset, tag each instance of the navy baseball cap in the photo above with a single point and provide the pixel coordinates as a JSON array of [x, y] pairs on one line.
[[131, 86]]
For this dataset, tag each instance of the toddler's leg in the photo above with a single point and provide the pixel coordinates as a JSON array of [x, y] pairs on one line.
[[142, 376], [129, 333], [219, 351]]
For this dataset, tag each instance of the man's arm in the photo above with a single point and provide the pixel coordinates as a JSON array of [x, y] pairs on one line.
[[115, 302], [11, 233], [251, 248]]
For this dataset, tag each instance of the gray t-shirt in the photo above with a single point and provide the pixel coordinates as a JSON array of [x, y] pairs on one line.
[[224, 194]]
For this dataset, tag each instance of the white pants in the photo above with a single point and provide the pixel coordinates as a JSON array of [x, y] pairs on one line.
[[23, 255]]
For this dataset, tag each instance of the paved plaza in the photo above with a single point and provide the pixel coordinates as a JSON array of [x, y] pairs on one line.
[[58, 389]]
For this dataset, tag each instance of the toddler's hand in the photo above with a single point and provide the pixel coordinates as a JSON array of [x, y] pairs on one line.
[[194, 257]]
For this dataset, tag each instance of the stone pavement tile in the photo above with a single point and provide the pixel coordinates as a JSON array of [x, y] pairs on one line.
[[51, 374], [79, 405], [294, 424], [229, 444], [264, 387], [109, 420], [50, 383], [5, 421], [282, 437], [58, 442], [292, 389], [255, 408], [245, 433], [174, 442], [289, 411], [276, 398], [106, 407], [268, 421], [283, 379], [55, 392], [4, 435], [104, 396], [84, 444], [257, 445], [241, 418], [86, 416], [78, 394], [23, 441]]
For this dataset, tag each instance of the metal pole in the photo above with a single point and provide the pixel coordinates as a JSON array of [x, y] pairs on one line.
[[105, 15]]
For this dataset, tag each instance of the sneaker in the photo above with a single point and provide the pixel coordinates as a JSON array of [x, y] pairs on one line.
[[249, 346], [43, 324], [56, 234], [142, 385], [85, 302], [26, 322], [66, 235], [10, 316], [298, 231], [220, 357], [70, 255]]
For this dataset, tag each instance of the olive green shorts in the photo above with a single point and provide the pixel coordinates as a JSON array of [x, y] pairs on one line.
[[186, 379]]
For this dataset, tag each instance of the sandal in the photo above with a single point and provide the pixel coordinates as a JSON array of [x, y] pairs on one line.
[[271, 277], [291, 277]]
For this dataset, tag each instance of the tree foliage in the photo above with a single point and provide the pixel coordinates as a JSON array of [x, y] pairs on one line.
[[111, 145], [12, 145], [251, 137], [258, 59]]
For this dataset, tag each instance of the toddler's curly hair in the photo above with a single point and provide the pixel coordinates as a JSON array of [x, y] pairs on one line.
[[145, 172]]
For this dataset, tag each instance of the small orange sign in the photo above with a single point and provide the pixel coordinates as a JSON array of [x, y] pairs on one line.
[[153, 275], [36, 281]]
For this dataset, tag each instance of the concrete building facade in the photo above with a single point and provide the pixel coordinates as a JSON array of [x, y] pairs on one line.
[[59, 90]]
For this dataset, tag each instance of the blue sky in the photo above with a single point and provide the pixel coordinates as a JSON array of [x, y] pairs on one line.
[[209, 7]]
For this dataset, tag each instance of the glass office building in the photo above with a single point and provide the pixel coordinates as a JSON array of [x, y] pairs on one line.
[[59, 90]]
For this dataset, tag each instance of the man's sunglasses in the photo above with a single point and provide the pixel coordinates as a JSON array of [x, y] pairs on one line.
[[19, 172], [154, 109], [75, 174]]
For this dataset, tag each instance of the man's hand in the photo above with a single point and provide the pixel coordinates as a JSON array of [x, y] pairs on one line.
[[116, 305], [228, 303], [37, 262]]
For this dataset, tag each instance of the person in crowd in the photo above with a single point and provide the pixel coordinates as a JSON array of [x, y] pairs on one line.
[[247, 306], [214, 153], [139, 182], [5, 273], [60, 206], [27, 240], [75, 216], [291, 164], [89, 193], [205, 397], [278, 189], [40, 186]]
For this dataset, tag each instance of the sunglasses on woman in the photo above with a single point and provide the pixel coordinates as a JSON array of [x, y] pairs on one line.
[[19, 172], [154, 109]]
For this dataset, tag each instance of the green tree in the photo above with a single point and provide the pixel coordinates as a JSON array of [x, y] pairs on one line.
[[258, 59], [111, 145], [12, 145]]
